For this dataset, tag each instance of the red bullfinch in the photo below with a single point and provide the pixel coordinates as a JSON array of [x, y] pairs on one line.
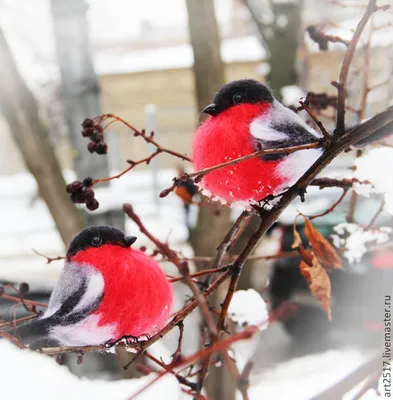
[[244, 118], [107, 290]]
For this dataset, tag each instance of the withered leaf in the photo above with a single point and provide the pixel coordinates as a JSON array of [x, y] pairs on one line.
[[306, 255], [323, 250], [318, 281], [297, 241]]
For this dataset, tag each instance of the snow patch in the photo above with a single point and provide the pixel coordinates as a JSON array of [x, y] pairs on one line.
[[249, 308], [374, 166], [355, 239], [61, 384]]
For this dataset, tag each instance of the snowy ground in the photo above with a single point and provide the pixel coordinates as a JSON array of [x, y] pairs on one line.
[[300, 378]]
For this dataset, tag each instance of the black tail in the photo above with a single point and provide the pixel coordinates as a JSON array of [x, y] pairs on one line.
[[32, 331]]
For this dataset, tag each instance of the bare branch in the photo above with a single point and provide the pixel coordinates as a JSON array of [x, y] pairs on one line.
[[342, 84], [49, 259]]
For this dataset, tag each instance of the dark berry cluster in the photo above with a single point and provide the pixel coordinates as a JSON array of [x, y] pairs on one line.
[[82, 193], [95, 132]]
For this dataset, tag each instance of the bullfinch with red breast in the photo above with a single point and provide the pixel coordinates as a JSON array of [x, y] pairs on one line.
[[245, 118], [107, 290]]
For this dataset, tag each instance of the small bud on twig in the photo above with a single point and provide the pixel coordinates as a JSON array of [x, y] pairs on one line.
[[24, 288]]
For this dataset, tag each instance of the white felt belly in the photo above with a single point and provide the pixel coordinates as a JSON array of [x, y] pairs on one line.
[[84, 333], [295, 165]]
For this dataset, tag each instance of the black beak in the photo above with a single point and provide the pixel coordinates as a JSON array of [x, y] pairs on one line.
[[129, 240], [211, 109]]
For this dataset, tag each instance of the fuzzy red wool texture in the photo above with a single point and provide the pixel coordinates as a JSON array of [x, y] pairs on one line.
[[137, 295], [225, 137]]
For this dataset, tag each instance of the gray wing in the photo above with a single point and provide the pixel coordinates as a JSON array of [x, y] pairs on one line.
[[78, 293], [282, 129]]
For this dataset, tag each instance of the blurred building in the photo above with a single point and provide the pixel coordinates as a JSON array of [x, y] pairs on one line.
[[142, 59]]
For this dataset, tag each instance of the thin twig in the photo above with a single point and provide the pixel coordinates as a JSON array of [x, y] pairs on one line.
[[376, 215], [12, 339], [168, 368], [339, 183], [342, 83], [177, 352], [200, 273], [330, 209], [244, 379], [228, 240], [19, 300], [232, 257], [147, 138], [132, 166], [366, 74], [283, 150], [323, 130], [49, 259], [14, 322]]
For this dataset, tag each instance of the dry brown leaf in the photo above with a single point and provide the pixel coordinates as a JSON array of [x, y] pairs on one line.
[[318, 281], [297, 241], [323, 250]]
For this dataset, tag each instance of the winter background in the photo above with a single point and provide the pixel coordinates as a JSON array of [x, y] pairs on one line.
[[283, 367]]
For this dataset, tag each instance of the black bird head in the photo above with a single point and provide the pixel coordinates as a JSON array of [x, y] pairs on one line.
[[97, 236], [244, 91]]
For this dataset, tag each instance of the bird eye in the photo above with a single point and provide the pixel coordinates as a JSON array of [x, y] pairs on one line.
[[237, 98], [96, 241]]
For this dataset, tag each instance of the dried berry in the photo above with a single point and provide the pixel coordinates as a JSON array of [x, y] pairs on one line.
[[99, 129], [89, 195], [101, 148], [91, 147], [81, 193], [87, 132], [74, 187], [92, 205], [87, 123], [78, 198], [24, 287], [87, 182], [97, 136]]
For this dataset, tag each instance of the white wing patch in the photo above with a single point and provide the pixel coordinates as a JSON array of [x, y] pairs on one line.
[[261, 128]]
